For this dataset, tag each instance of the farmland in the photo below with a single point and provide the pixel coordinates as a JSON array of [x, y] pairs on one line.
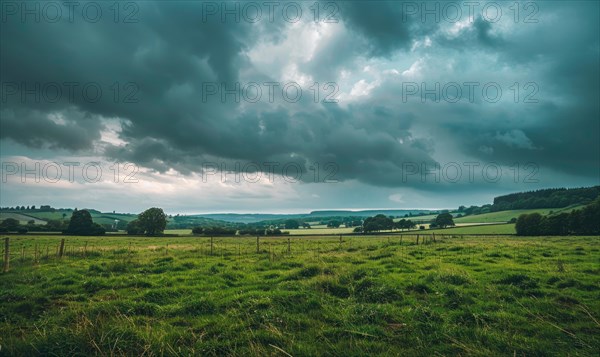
[[505, 228], [302, 296], [505, 216]]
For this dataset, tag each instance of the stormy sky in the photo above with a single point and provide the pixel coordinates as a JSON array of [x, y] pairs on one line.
[[293, 106]]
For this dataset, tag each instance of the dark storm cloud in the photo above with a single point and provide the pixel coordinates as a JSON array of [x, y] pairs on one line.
[[383, 23], [562, 131], [171, 52], [72, 130], [168, 48]]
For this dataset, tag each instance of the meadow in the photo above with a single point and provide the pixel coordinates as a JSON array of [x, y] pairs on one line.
[[505, 228], [505, 216], [459, 295]]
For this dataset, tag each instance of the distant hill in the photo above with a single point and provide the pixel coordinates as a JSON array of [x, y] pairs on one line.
[[368, 213], [248, 217], [546, 198], [316, 215]]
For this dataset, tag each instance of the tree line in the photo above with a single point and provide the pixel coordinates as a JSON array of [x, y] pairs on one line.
[[546, 198], [585, 221]]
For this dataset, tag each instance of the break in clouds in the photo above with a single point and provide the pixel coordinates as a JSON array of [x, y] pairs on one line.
[[171, 86]]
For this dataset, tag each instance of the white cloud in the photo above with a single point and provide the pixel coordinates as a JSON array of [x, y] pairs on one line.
[[515, 138], [396, 197]]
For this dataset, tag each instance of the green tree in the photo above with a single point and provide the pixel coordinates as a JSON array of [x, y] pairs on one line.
[[10, 225], [555, 225], [55, 225], [334, 224], [134, 228], [197, 230], [444, 220], [292, 224], [153, 221], [378, 223], [590, 218], [528, 224], [81, 224]]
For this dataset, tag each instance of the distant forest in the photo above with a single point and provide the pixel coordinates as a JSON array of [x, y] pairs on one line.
[[547, 198]]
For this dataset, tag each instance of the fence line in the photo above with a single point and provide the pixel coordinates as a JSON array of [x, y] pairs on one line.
[[273, 247]]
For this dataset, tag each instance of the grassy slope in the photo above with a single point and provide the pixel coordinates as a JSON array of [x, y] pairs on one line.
[[22, 218], [367, 296], [100, 218], [322, 230], [505, 216], [506, 228]]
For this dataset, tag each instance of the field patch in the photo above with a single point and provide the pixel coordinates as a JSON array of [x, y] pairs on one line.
[[363, 295]]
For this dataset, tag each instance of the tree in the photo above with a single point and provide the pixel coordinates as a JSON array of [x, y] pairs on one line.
[[444, 220], [555, 225], [590, 218], [528, 224], [134, 228], [378, 223], [10, 225], [153, 221], [81, 224], [197, 230], [56, 225], [292, 224], [333, 224]]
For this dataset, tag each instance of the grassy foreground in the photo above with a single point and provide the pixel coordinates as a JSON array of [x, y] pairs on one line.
[[366, 295]]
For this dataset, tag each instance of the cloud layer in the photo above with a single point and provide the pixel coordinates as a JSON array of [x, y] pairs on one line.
[[408, 87]]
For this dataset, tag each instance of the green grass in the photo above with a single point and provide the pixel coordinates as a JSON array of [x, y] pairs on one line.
[[22, 218], [317, 231], [506, 228], [427, 217], [178, 231], [364, 296], [100, 218], [505, 216]]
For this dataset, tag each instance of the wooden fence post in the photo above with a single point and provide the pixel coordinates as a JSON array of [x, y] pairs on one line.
[[211, 246], [61, 248], [417, 239], [6, 255], [289, 246], [257, 245]]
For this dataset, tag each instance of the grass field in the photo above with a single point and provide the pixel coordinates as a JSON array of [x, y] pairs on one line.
[[505, 216], [22, 218], [322, 230], [363, 296], [182, 232], [42, 217], [506, 228]]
